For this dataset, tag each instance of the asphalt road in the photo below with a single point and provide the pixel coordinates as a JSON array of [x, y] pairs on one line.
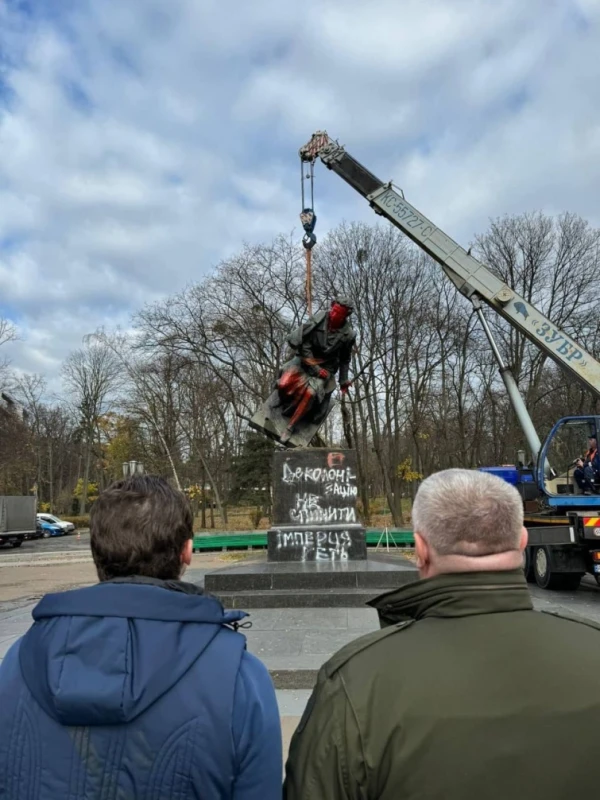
[[54, 544], [584, 602]]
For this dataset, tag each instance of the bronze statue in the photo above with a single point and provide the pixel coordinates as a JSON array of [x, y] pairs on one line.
[[321, 349]]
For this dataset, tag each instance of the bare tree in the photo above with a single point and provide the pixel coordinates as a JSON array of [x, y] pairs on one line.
[[426, 391], [8, 333], [91, 375], [31, 389], [206, 427], [151, 394], [234, 323], [554, 264]]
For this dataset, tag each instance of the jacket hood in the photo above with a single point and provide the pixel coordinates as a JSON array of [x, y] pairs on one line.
[[101, 655], [459, 594]]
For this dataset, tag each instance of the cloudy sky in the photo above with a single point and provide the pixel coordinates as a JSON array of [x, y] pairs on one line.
[[143, 140]]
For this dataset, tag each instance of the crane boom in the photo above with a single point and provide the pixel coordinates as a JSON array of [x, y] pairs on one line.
[[469, 275]]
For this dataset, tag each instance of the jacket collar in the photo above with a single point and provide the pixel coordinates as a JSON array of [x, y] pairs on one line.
[[457, 595], [172, 585]]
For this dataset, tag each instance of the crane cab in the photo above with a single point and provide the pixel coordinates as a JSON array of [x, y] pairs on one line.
[[555, 470], [564, 532], [563, 523]]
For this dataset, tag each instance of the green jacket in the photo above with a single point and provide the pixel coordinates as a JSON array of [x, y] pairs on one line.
[[466, 693], [333, 349]]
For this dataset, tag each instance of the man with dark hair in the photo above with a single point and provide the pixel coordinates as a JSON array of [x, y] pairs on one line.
[[139, 686]]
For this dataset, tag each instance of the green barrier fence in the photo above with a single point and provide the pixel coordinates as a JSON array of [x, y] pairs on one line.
[[252, 539]]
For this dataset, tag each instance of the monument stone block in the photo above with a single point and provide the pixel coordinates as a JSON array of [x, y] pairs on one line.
[[314, 507]]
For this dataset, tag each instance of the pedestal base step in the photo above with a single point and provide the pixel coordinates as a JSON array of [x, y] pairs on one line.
[[266, 584], [290, 598]]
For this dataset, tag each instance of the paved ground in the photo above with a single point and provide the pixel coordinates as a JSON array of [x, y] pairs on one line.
[[585, 602], [293, 643], [52, 544]]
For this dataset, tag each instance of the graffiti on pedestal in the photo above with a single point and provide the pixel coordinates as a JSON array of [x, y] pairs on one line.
[[320, 494], [315, 515], [309, 511], [316, 545]]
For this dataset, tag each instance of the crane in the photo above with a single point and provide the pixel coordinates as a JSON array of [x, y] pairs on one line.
[[564, 525]]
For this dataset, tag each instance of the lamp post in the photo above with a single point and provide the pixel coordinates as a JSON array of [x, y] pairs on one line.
[[131, 468]]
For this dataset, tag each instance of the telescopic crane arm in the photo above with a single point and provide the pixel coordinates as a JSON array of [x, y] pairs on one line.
[[471, 277]]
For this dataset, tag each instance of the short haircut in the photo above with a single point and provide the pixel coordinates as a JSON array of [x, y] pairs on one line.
[[466, 512], [139, 526]]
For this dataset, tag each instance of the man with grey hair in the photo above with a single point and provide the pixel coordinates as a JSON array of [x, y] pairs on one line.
[[484, 531], [466, 692]]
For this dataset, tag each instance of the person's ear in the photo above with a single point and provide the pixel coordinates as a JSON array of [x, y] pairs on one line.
[[524, 539], [187, 552], [422, 551]]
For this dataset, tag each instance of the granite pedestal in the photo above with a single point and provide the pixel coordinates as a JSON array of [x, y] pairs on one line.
[[259, 583], [317, 550], [314, 507]]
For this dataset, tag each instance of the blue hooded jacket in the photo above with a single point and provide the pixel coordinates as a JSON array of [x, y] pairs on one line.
[[136, 690]]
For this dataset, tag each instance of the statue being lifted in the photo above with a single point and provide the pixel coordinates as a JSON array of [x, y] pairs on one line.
[[321, 349]]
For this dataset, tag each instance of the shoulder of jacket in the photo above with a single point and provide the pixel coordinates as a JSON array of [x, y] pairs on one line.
[[331, 667], [574, 618], [360, 645], [317, 318], [12, 657], [307, 327], [349, 333]]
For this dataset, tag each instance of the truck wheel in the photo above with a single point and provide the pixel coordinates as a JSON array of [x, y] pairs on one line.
[[548, 579], [528, 565], [16, 544], [541, 568], [544, 576]]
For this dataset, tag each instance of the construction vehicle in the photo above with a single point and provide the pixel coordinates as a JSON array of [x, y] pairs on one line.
[[563, 522], [17, 520]]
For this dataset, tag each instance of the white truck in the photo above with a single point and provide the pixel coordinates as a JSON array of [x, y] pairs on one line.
[[17, 520]]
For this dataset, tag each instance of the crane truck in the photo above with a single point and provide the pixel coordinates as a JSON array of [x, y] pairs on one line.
[[563, 522]]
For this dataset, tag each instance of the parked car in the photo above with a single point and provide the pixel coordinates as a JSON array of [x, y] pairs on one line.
[[51, 529], [39, 532], [67, 527]]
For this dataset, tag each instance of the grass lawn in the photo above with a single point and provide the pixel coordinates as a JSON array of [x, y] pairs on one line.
[[240, 518]]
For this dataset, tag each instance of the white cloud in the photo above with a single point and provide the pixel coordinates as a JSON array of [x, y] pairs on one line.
[[142, 141]]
